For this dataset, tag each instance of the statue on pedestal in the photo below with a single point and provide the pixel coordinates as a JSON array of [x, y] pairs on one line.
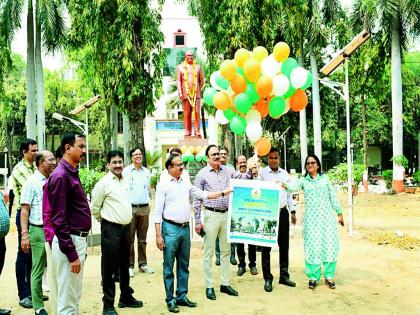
[[190, 81]]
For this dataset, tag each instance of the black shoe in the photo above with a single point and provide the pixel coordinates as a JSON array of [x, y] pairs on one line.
[[233, 260], [42, 311], [173, 308], [312, 284], [330, 284], [26, 302], [254, 271], [4, 312], [217, 263], [45, 298], [268, 285], [241, 271], [186, 302], [211, 295], [133, 303], [228, 290], [287, 282], [109, 310]]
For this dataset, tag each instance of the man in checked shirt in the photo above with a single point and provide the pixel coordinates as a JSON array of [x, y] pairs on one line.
[[214, 177]]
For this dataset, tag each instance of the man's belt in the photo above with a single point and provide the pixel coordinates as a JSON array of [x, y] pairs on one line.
[[79, 233], [176, 223], [37, 225], [142, 205], [119, 225], [216, 210]]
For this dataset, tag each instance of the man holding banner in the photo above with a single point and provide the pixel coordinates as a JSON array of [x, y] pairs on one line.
[[274, 173]]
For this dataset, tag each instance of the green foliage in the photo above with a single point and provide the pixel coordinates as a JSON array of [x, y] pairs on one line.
[[338, 174], [153, 158], [387, 176], [154, 179], [400, 160], [89, 178], [416, 177]]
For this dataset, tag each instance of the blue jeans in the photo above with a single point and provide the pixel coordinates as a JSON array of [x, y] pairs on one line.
[[177, 246]]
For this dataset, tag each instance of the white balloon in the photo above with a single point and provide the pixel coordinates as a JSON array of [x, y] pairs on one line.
[[220, 117], [270, 67], [254, 130], [213, 81], [298, 77], [281, 85], [253, 115]]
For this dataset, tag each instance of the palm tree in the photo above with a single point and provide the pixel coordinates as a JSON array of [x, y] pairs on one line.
[[47, 29], [399, 21]]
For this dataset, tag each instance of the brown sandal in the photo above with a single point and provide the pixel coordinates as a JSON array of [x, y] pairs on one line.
[[330, 284]]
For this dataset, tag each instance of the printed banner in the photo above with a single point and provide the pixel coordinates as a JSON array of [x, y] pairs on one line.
[[254, 212]]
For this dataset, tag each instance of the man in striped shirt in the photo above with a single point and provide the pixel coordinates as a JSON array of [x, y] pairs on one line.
[[214, 177]]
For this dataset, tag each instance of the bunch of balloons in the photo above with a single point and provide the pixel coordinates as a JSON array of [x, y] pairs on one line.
[[254, 85], [188, 153]]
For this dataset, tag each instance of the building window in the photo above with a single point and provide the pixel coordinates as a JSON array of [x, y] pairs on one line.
[[180, 39]]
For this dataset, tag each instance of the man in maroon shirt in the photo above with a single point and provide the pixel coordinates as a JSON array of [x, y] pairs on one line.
[[71, 221]]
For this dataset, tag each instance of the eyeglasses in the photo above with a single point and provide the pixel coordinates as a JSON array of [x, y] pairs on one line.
[[179, 164], [214, 154], [310, 163]]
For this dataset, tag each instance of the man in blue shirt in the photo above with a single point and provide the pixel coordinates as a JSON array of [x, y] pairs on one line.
[[138, 179]]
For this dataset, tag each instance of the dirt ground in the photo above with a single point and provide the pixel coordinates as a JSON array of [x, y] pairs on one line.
[[375, 274]]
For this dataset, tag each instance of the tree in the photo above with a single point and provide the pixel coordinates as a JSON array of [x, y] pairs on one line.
[[46, 28], [127, 41], [398, 20]]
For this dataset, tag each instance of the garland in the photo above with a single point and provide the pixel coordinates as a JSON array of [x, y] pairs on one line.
[[190, 92]]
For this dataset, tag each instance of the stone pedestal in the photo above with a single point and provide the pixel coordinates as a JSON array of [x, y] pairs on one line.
[[193, 141]]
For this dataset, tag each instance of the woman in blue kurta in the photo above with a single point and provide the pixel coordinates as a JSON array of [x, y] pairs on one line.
[[320, 232]]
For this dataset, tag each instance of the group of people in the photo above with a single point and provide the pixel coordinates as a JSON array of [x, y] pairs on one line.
[[54, 219]]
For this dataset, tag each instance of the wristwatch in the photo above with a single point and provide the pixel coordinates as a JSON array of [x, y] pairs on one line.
[[223, 194]]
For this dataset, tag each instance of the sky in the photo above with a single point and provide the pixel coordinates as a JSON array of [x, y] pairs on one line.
[[54, 62]]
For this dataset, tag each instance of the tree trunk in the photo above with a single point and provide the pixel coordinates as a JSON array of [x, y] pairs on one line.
[[137, 134], [302, 123], [30, 75], [114, 127], [365, 145], [40, 100], [107, 131], [126, 139], [397, 122], [316, 107]]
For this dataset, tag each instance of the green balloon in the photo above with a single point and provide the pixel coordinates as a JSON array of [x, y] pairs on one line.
[[276, 106], [221, 81], [240, 71], [252, 93], [208, 95], [238, 125], [184, 158], [287, 66], [191, 158], [204, 158], [243, 103], [289, 92], [198, 158], [229, 114], [308, 82]]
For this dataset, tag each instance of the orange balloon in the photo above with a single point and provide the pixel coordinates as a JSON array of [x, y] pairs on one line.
[[252, 69], [238, 84], [264, 86], [298, 101], [228, 69], [221, 100], [262, 107], [263, 146]]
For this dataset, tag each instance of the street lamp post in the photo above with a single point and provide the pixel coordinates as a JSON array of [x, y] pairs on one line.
[[283, 137], [82, 126]]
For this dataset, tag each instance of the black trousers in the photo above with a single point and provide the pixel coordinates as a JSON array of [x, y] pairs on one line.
[[2, 252], [23, 265], [252, 255], [283, 242], [115, 245]]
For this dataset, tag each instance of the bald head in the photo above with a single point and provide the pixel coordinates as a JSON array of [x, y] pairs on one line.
[[45, 162], [189, 57]]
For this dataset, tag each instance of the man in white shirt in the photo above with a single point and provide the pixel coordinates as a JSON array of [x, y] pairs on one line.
[[172, 229], [111, 206], [138, 179], [274, 173], [185, 176]]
